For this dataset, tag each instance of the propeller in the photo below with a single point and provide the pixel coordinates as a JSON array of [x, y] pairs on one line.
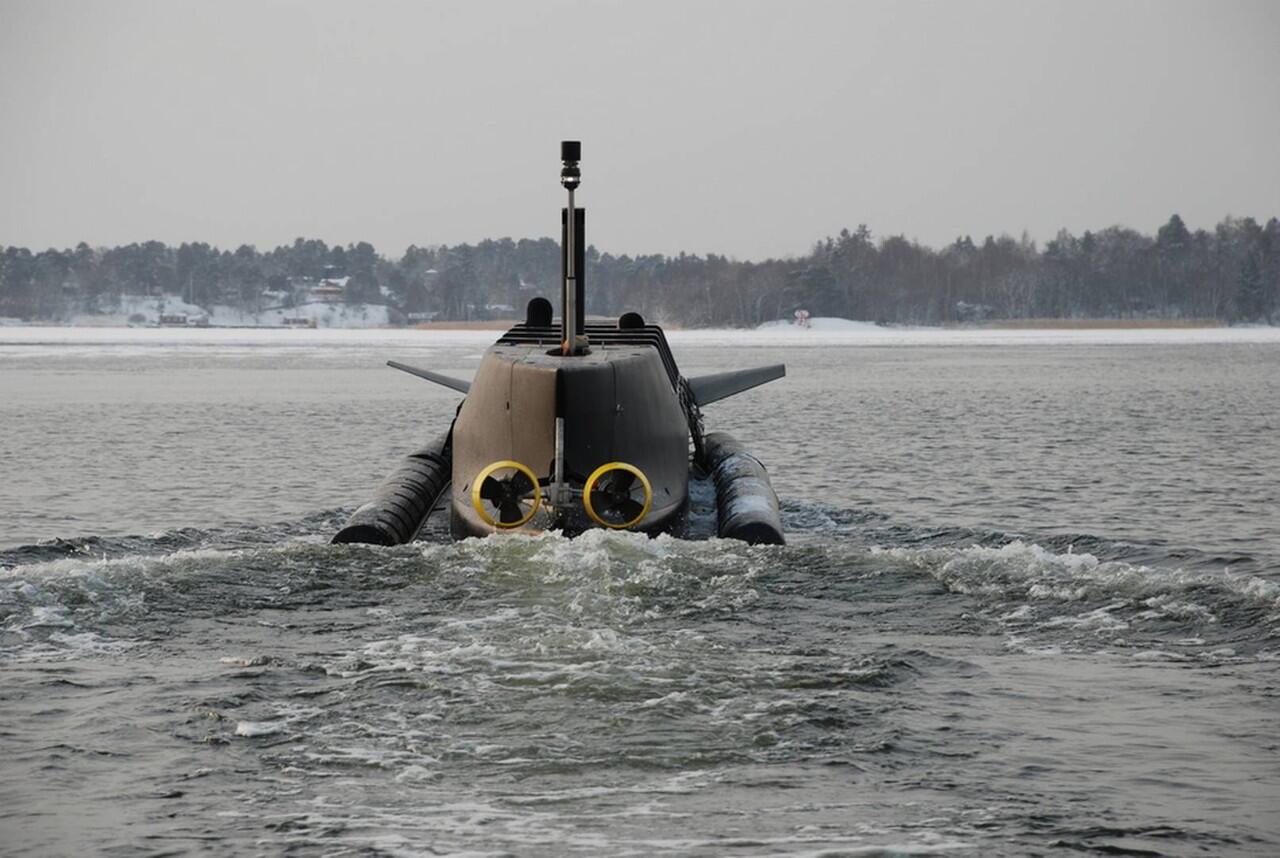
[[617, 495], [506, 494]]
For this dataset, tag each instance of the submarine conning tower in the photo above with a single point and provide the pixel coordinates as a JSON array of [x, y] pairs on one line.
[[570, 425]]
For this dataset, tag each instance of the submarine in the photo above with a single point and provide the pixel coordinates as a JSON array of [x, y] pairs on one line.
[[570, 426]]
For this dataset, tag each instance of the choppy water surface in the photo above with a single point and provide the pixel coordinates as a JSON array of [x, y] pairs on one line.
[[1030, 606]]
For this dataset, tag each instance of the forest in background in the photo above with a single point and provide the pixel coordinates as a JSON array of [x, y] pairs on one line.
[[1231, 274]]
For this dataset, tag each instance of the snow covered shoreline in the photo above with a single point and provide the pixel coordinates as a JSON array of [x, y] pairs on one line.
[[850, 334], [143, 310]]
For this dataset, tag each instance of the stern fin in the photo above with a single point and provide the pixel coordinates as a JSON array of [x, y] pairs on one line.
[[721, 385], [443, 380]]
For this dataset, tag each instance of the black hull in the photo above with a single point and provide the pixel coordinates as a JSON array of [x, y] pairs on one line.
[[569, 426], [562, 421], [746, 505], [403, 501]]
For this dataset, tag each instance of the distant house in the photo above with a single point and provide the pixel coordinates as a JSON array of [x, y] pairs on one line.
[[276, 297], [182, 320], [173, 320], [330, 290]]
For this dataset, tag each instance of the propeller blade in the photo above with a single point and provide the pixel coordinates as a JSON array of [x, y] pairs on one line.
[[620, 481], [509, 512], [491, 490], [629, 510], [520, 485]]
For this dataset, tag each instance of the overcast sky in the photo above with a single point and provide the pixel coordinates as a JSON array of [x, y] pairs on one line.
[[744, 128]]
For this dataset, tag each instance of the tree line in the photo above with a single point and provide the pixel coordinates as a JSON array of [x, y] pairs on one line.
[[1231, 273]]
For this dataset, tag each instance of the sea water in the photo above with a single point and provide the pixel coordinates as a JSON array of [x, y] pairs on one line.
[[1030, 604]]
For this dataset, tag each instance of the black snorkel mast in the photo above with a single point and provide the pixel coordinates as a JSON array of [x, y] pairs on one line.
[[572, 342]]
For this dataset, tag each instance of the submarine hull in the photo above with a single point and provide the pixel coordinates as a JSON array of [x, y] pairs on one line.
[[553, 424], [615, 404], [571, 425]]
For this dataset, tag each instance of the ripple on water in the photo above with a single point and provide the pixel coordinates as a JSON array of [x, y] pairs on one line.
[[544, 695], [1076, 601]]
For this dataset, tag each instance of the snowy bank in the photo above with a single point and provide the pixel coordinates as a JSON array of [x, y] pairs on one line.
[[27, 341], [323, 314], [825, 324], [147, 310]]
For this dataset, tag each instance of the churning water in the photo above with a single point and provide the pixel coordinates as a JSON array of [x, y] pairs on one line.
[[1030, 604]]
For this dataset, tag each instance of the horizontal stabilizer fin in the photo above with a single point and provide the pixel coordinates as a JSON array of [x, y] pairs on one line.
[[451, 383], [721, 385]]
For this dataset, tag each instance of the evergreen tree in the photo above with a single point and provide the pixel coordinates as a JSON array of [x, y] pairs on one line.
[[1250, 290]]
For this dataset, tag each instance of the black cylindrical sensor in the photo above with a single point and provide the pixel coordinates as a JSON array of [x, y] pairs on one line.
[[570, 175]]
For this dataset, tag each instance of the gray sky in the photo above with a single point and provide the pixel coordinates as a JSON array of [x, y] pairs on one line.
[[744, 128]]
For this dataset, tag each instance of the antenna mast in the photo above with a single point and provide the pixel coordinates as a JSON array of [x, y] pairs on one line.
[[571, 341]]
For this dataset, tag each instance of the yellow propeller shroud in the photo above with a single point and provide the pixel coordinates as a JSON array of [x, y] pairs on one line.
[[506, 502], [506, 495], [609, 495]]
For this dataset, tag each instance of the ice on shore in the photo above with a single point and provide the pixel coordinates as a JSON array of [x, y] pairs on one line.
[[147, 310], [826, 323], [23, 340]]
